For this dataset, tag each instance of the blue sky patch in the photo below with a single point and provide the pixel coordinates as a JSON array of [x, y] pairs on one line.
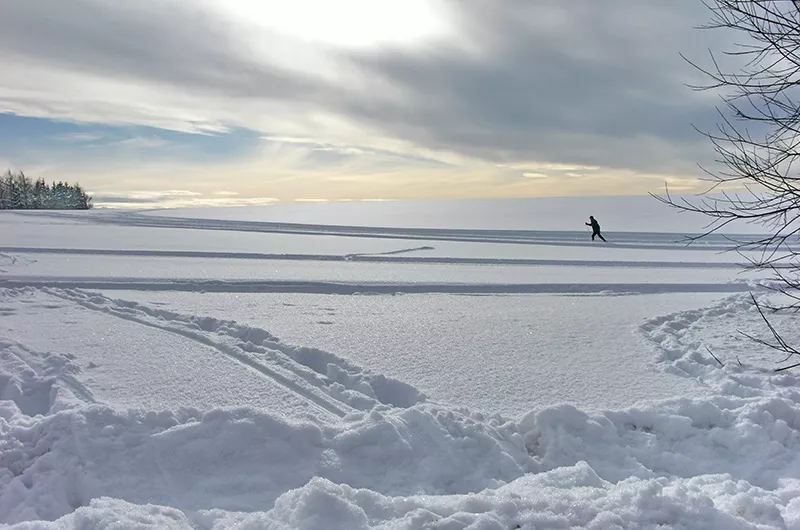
[[37, 140]]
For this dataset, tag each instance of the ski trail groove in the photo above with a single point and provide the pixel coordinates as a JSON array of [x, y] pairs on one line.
[[368, 255], [352, 288], [307, 393], [34, 361], [571, 238], [379, 257]]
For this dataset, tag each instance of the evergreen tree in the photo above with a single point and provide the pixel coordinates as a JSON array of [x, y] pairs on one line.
[[18, 192]]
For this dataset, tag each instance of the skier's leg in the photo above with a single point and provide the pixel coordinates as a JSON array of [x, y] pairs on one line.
[[593, 234], [601, 237]]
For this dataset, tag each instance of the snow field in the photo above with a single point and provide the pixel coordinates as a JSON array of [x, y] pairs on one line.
[[683, 462], [156, 408], [502, 354]]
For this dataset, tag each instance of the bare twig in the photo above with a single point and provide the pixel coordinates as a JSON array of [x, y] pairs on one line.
[[787, 367], [757, 142], [780, 344], [714, 356]]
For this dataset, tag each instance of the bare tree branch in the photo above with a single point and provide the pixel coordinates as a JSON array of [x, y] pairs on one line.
[[757, 142]]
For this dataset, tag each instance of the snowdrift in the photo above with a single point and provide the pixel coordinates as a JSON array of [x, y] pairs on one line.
[[371, 452]]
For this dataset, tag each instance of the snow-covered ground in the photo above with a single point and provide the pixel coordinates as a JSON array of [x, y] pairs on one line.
[[387, 365]]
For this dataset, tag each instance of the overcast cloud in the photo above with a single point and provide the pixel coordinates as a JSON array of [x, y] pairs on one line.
[[513, 85]]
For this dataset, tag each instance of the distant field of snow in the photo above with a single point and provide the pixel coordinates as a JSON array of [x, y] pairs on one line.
[[309, 369], [616, 214]]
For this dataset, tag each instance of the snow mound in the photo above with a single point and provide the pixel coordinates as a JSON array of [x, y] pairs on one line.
[[242, 459], [727, 461], [712, 345], [37, 384]]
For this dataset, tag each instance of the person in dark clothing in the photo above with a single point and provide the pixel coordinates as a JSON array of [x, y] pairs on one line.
[[595, 228]]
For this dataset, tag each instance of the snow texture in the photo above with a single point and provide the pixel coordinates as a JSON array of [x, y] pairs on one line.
[[120, 413]]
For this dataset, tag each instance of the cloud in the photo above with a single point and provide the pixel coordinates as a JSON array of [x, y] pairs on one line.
[[154, 63], [79, 137], [290, 140], [535, 166], [163, 194], [543, 88], [164, 42], [142, 142], [171, 199], [567, 85]]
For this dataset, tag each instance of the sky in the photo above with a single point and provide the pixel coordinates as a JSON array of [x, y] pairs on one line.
[[234, 102]]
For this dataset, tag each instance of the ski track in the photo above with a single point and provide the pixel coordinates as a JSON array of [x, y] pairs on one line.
[[43, 370], [387, 288], [378, 257], [387, 253], [78, 389], [294, 386], [703, 341], [626, 240], [331, 384]]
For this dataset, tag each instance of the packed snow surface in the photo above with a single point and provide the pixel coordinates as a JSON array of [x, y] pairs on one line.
[[236, 369]]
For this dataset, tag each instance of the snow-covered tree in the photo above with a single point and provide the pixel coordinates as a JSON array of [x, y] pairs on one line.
[[18, 192]]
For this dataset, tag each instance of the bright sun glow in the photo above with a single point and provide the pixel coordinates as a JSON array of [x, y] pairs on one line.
[[347, 23]]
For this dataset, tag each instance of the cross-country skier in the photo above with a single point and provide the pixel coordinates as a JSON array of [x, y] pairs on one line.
[[595, 228]]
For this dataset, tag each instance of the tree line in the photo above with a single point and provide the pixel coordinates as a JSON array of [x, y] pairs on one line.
[[19, 192]]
